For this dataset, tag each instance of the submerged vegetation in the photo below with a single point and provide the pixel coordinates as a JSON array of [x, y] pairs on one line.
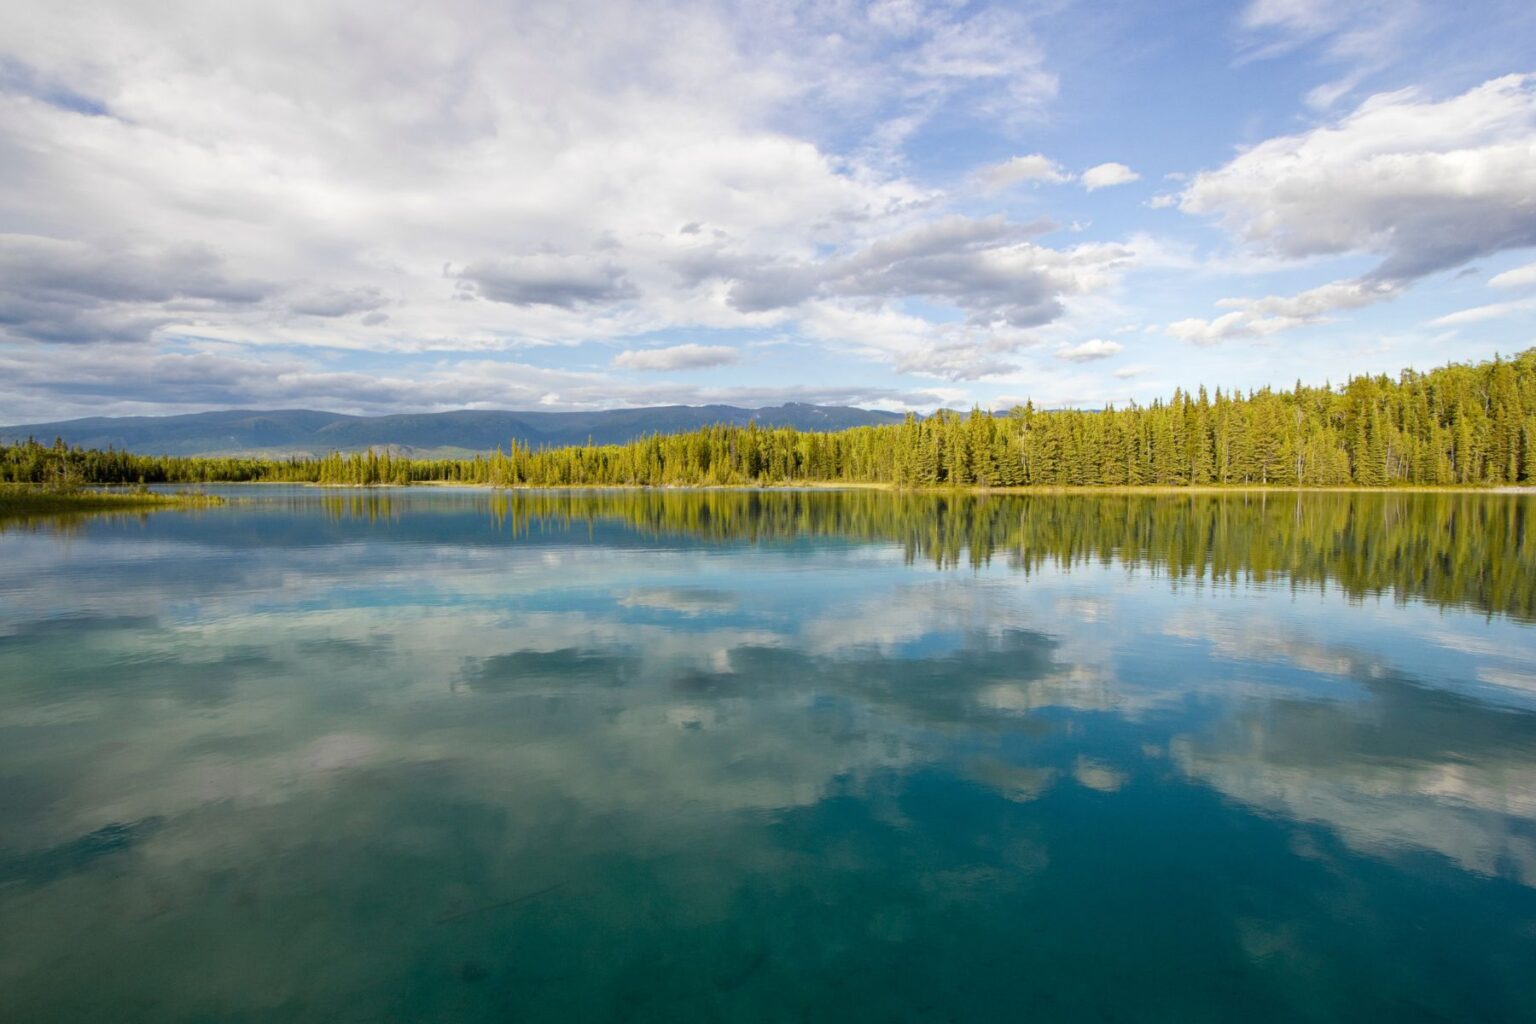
[[1468, 425]]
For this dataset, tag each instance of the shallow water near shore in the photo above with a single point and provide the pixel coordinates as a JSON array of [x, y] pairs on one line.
[[453, 755]]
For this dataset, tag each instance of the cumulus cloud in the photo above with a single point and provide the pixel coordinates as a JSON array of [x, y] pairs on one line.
[[1034, 167], [1090, 351], [958, 359], [1108, 175], [541, 280], [985, 266], [685, 166], [677, 357], [114, 274], [53, 290], [332, 302], [910, 344], [1424, 185]]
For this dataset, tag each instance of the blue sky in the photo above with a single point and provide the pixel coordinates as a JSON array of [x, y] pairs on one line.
[[390, 206]]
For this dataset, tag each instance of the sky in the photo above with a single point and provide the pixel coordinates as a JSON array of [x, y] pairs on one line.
[[379, 206]]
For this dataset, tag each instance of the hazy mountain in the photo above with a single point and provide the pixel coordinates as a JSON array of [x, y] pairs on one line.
[[304, 431]]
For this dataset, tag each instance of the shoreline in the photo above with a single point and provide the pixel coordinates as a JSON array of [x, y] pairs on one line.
[[26, 499]]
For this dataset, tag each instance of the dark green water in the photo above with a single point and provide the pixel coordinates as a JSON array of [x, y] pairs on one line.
[[443, 756]]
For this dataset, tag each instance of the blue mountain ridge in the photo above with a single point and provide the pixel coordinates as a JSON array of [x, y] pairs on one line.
[[308, 432]]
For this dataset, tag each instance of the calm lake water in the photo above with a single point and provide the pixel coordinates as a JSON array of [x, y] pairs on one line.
[[438, 755]]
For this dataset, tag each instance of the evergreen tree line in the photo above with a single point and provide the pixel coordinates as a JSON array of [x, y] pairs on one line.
[[1468, 424]]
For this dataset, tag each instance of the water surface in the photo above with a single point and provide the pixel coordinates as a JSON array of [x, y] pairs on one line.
[[452, 756]]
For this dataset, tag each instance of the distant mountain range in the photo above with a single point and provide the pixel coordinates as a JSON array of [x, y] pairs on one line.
[[306, 432]]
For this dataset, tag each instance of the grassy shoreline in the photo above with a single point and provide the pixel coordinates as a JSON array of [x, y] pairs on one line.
[[26, 499]]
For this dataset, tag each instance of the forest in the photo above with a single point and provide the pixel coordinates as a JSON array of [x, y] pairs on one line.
[[1461, 424]]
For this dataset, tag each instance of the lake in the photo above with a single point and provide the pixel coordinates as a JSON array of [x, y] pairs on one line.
[[447, 755]]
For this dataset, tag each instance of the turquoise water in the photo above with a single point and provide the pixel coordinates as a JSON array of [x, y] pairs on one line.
[[448, 756]]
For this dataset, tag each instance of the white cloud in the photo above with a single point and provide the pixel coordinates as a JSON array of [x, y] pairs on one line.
[[1477, 314], [1212, 332], [1098, 775], [1108, 175], [1089, 351], [1361, 37], [1007, 284], [677, 357], [490, 184], [1275, 313], [1315, 303], [1035, 167], [986, 267], [1301, 19], [1424, 185], [544, 280], [330, 302], [1519, 277], [910, 344], [1128, 372], [40, 383], [994, 48], [58, 291]]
